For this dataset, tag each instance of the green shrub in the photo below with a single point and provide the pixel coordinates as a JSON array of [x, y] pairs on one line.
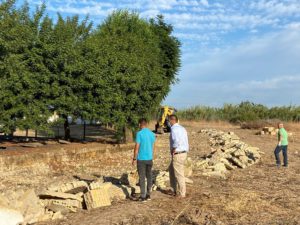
[[243, 112]]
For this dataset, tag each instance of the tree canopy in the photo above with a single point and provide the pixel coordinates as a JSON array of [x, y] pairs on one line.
[[116, 72]]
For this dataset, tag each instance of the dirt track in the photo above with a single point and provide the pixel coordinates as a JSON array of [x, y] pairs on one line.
[[260, 194]]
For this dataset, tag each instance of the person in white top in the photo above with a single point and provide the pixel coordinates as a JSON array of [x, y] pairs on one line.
[[179, 147]]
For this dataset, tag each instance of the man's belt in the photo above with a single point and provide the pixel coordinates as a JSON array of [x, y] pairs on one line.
[[180, 152]]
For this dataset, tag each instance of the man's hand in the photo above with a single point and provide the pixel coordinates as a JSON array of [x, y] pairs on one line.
[[173, 151], [279, 143], [133, 162]]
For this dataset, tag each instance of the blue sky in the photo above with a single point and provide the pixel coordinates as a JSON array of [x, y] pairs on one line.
[[232, 50]]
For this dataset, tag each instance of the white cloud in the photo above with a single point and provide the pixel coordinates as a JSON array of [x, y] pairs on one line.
[[274, 83], [277, 7], [204, 2], [262, 69], [86, 10]]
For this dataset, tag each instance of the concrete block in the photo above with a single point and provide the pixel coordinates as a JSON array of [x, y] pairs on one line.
[[59, 195], [97, 198], [119, 192], [74, 187], [100, 184], [72, 205]]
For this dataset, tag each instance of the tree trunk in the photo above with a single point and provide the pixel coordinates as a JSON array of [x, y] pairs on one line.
[[128, 135], [84, 130], [67, 128]]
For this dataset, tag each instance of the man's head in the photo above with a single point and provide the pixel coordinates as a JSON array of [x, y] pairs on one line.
[[143, 123], [173, 119], [280, 125]]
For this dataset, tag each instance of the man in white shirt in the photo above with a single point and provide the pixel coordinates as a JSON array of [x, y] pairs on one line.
[[179, 147]]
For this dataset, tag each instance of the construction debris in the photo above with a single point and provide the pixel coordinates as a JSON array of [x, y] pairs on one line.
[[97, 198], [268, 131], [73, 187], [160, 179], [228, 153]]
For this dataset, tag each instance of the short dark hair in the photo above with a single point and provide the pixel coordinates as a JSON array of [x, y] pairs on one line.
[[143, 121], [174, 116]]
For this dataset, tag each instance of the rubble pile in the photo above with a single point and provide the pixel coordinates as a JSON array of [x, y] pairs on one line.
[[85, 194], [160, 179], [268, 130], [228, 153]]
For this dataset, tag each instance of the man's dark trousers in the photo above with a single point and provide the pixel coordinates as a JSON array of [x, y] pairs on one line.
[[145, 171], [284, 153]]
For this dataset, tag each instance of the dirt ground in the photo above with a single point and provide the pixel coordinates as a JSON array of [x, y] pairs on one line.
[[261, 194]]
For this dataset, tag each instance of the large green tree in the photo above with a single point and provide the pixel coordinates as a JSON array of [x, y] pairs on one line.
[[115, 73], [169, 56], [23, 77], [128, 58], [63, 43]]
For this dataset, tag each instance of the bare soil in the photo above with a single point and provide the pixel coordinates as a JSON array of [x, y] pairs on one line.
[[261, 194]]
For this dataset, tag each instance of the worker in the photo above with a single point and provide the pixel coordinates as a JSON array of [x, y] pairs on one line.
[[179, 147], [281, 146], [143, 154]]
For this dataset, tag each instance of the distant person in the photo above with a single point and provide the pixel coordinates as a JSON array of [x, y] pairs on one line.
[[143, 153], [179, 147], [282, 146]]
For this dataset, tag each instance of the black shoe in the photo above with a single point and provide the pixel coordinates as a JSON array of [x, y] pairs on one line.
[[148, 197]]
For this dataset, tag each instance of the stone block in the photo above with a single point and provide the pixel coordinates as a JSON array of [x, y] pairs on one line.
[[238, 163], [59, 195], [97, 198], [238, 153], [30, 206], [74, 187], [268, 129], [219, 167], [100, 185], [58, 208], [227, 164], [72, 205], [214, 174], [119, 192], [57, 215]]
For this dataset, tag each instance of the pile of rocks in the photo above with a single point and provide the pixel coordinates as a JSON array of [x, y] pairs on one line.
[[58, 200], [85, 193], [268, 130], [160, 179], [228, 153]]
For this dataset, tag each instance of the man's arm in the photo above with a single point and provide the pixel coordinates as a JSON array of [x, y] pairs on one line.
[[135, 152], [174, 141], [280, 139]]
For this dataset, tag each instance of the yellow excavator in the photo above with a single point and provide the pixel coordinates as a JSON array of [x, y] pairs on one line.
[[163, 124]]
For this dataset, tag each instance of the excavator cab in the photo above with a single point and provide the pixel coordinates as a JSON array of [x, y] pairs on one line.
[[163, 124]]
